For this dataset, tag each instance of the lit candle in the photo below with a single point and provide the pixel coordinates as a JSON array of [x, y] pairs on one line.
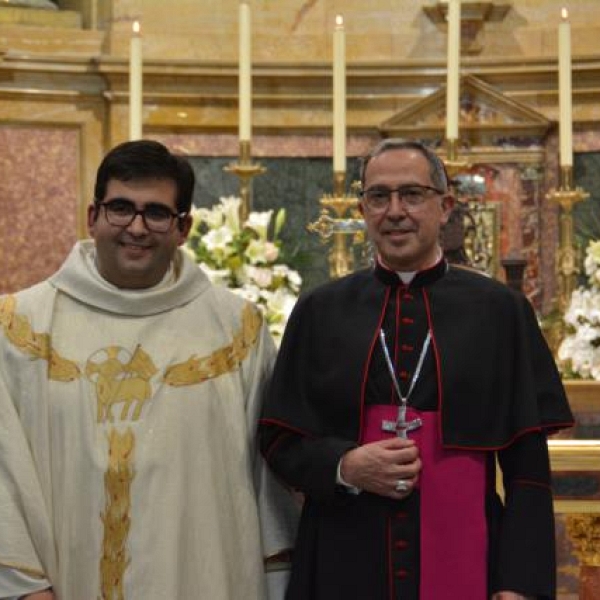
[[245, 76], [339, 96], [135, 83], [564, 91], [453, 70]]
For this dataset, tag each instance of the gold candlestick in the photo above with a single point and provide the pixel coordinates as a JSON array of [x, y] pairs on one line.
[[567, 263], [453, 165], [245, 169], [339, 219]]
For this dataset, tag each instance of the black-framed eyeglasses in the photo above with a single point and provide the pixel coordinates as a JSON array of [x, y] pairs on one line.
[[412, 197], [157, 217]]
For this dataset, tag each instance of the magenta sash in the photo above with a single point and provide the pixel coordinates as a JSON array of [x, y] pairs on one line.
[[452, 497]]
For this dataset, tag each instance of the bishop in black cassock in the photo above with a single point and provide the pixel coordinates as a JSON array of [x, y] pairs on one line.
[[482, 390]]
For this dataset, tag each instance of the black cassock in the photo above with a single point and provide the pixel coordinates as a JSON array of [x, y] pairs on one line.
[[488, 380]]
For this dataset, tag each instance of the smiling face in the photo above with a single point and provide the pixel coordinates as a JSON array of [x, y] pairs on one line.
[[406, 241], [134, 257]]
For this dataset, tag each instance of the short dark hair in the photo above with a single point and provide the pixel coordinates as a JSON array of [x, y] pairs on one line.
[[437, 170], [146, 159]]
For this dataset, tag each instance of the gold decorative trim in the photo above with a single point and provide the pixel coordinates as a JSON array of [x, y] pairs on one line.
[[574, 455], [576, 506], [19, 332], [197, 370], [584, 533], [28, 571], [117, 514]]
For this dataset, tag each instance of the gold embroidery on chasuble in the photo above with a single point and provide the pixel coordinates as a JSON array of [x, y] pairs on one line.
[[116, 516], [19, 332], [198, 369], [121, 378]]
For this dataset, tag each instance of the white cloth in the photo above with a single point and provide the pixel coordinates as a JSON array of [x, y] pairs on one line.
[[127, 438], [19, 584]]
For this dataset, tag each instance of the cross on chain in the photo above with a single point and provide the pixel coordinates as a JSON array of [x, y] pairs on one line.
[[401, 426]]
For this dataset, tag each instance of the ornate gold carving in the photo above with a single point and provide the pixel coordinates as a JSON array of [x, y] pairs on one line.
[[567, 258], [584, 533], [487, 116], [19, 332], [473, 17], [116, 516], [196, 370], [120, 381], [340, 218]]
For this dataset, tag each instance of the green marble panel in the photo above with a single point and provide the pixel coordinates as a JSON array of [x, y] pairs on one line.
[[586, 214]]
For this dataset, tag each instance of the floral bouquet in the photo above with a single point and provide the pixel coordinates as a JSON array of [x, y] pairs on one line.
[[246, 257], [579, 352]]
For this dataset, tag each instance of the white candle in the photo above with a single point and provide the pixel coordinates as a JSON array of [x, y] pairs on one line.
[[135, 83], [339, 96], [245, 75], [453, 70], [564, 91]]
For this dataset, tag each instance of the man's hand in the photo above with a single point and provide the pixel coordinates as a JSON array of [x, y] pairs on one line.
[[378, 466], [44, 595]]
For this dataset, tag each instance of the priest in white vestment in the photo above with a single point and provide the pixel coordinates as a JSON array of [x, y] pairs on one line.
[[130, 388]]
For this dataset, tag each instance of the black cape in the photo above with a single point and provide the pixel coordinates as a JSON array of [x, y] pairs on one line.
[[489, 395]]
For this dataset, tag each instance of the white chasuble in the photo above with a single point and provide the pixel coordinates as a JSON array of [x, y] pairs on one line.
[[127, 424]]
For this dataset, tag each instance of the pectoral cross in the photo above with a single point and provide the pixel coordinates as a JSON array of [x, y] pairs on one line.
[[401, 426]]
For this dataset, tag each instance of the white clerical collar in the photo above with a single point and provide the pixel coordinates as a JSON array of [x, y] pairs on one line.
[[407, 276]]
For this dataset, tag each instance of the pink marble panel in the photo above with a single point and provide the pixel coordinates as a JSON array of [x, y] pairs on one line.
[[38, 202], [264, 145]]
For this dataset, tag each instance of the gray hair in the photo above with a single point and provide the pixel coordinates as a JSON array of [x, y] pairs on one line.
[[437, 171]]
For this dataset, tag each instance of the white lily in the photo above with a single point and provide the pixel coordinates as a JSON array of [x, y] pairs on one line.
[[259, 222]]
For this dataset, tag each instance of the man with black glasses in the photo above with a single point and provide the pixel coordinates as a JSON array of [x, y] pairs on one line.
[[395, 390], [129, 393]]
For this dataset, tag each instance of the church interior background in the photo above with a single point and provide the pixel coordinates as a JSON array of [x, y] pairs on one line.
[[64, 102]]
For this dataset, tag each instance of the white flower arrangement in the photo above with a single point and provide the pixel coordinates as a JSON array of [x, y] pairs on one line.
[[579, 352], [246, 258]]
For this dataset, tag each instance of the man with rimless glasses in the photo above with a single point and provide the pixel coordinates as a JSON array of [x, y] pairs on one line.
[[130, 388], [396, 392]]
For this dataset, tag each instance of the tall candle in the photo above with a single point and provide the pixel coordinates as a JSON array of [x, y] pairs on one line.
[[339, 96], [135, 83], [564, 91], [245, 75], [453, 70]]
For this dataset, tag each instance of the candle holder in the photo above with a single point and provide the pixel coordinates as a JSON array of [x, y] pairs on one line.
[[567, 260], [453, 165], [245, 170], [339, 219]]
